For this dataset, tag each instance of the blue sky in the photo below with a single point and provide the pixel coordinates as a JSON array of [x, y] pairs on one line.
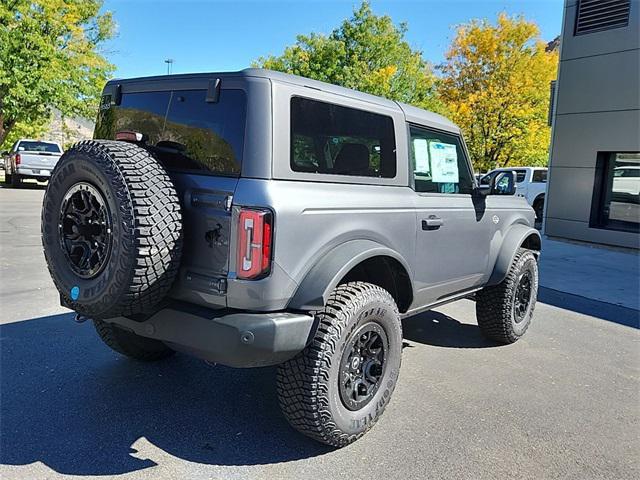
[[208, 35]]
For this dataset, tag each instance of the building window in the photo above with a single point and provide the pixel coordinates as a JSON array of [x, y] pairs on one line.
[[616, 200]]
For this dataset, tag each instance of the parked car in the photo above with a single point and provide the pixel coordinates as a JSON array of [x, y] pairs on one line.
[[31, 159], [531, 183], [626, 183], [257, 218]]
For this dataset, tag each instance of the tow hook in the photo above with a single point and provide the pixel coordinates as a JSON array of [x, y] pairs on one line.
[[80, 318]]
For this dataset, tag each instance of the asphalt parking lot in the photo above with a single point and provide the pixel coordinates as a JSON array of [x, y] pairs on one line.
[[564, 402]]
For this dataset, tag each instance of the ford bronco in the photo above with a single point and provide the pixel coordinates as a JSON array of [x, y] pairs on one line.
[[258, 218]]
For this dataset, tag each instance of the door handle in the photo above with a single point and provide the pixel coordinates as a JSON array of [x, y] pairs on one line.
[[433, 222]]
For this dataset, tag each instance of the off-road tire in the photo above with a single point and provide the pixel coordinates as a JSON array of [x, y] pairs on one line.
[[16, 180], [308, 390], [538, 207], [495, 305], [146, 229], [130, 344]]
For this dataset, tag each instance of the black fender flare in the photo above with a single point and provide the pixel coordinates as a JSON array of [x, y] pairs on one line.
[[516, 236], [314, 290]]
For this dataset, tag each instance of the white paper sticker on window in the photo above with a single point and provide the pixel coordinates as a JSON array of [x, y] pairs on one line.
[[421, 152], [444, 162]]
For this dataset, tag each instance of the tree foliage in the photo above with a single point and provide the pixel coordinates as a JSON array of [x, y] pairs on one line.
[[495, 84], [366, 52], [50, 57]]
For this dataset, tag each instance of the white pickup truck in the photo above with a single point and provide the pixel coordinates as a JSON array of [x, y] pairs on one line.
[[31, 159], [531, 183]]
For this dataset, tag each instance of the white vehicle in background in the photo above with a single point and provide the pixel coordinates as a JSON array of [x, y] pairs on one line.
[[31, 159], [626, 181], [531, 183]]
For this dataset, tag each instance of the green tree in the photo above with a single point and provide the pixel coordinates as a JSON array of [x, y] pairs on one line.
[[496, 87], [366, 52], [50, 57]]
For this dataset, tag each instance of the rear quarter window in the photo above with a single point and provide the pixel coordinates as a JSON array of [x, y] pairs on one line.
[[181, 129], [337, 140]]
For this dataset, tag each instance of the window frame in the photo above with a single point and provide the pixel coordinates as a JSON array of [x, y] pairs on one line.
[[362, 178], [281, 94], [605, 165], [465, 152]]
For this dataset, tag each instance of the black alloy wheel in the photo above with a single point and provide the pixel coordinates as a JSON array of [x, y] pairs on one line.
[[522, 296], [85, 229], [362, 365]]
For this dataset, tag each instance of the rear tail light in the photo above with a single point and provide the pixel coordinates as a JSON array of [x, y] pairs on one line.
[[255, 234], [18, 159]]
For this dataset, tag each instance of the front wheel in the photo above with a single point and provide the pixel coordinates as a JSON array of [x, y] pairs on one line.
[[504, 311], [336, 389]]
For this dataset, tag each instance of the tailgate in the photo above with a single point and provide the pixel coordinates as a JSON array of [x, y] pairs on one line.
[[207, 227], [39, 160]]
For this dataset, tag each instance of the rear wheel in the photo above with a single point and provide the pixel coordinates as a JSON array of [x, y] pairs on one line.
[[336, 389], [130, 344], [16, 180]]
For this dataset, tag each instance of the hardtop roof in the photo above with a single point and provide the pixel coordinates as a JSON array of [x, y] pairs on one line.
[[412, 114]]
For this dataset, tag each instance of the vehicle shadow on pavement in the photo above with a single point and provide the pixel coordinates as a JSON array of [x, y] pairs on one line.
[[27, 186], [440, 330], [72, 404]]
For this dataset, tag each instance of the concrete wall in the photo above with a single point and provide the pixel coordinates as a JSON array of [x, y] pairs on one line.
[[597, 109]]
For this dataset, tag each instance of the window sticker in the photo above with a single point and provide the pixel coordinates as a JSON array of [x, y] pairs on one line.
[[444, 162], [421, 154]]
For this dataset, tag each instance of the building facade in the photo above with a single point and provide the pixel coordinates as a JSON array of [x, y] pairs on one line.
[[593, 191]]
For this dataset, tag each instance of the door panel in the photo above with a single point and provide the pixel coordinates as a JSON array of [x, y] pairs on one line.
[[452, 245], [453, 229]]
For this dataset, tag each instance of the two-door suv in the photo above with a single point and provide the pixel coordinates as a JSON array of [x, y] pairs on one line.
[[257, 218]]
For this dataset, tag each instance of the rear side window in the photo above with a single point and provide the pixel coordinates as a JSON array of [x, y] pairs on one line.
[[33, 146], [181, 129], [336, 140], [539, 176]]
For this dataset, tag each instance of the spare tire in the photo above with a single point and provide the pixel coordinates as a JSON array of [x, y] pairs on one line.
[[111, 229]]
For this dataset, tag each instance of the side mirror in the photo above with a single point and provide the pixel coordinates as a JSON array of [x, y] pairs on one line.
[[504, 183]]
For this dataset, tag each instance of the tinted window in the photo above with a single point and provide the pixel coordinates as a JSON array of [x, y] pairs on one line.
[[539, 176], [332, 139], [439, 163], [29, 146], [182, 129], [617, 197], [520, 175]]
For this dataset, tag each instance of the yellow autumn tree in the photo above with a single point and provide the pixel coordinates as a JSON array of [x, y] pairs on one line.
[[496, 86]]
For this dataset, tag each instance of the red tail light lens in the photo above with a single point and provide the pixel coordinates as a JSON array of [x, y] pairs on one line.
[[255, 233], [18, 159]]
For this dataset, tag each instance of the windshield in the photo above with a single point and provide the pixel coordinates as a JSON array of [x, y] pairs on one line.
[[32, 146]]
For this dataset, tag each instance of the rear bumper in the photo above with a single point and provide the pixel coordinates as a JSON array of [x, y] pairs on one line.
[[238, 339], [33, 172]]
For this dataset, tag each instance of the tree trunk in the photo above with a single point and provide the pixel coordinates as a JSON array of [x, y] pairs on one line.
[[5, 127]]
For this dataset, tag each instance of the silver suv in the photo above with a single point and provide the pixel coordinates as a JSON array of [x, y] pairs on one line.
[[256, 218]]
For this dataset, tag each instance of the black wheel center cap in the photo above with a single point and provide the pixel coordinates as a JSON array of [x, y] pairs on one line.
[[85, 229]]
